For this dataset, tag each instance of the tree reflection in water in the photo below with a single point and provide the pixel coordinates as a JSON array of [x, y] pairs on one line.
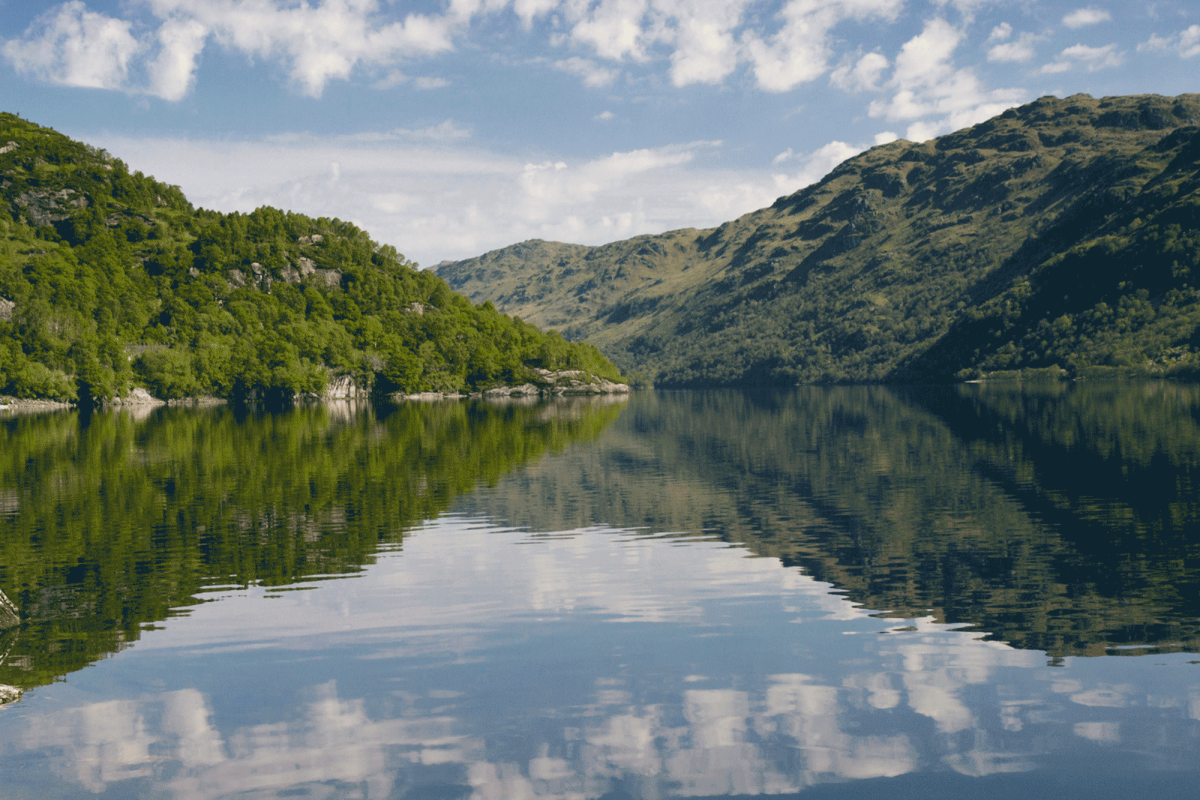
[[678, 597]]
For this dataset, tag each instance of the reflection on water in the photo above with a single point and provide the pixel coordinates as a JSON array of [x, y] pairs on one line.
[[113, 522], [1056, 517], [487, 663], [677, 601]]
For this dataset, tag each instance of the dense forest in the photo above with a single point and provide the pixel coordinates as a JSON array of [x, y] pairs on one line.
[[1063, 235], [110, 279]]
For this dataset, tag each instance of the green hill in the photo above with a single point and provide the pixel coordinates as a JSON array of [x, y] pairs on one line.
[[109, 278], [1062, 234]]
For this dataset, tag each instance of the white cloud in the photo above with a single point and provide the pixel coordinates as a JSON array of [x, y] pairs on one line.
[[434, 195], [1186, 43], [320, 42], [613, 28], [528, 9], [426, 83], [705, 48], [394, 78], [171, 73], [1086, 16], [1093, 58], [77, 47], [604, 116], [933, 94], [799, 52], [1001, 32], [816, 165], [865, 74], [157, 45], [72, 46], [1054, 67], [1020, 51], [592, 73]]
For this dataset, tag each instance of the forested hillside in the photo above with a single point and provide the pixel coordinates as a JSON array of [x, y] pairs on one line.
[[1064, 234], [110, 279]]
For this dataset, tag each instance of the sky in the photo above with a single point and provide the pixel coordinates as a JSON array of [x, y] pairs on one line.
[[448, 128]]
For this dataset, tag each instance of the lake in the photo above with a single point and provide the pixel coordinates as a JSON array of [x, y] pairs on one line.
[[975, 591]]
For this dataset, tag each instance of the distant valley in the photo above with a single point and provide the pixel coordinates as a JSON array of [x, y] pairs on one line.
[[1061, 236]]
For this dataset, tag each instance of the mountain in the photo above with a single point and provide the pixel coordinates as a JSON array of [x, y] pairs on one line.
[[109, 278], [1064, 234]]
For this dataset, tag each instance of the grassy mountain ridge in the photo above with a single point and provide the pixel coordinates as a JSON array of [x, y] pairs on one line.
[[1062, 233], [109, 278]]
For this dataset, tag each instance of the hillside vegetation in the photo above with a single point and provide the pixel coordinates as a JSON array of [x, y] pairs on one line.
[[109, 278], [1064, 234]]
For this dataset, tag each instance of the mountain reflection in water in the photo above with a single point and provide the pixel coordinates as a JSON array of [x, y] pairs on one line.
[[678, 597]]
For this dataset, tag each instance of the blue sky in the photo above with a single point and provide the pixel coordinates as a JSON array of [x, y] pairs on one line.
[[451, 127]]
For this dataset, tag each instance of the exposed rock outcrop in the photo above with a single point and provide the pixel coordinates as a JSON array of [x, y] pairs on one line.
[[343, 387], [137, 397], [45, 207], [550, 383], [574, 381]]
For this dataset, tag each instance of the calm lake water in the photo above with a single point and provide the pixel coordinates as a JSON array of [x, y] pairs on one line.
[[974, 591]]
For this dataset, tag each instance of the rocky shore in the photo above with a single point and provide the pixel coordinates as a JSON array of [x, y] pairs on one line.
[[18, 405], [549, 383]]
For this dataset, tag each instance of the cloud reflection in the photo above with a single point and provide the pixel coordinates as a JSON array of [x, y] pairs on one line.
[[874, 700]]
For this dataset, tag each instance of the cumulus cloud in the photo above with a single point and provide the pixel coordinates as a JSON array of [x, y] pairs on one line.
[[1020, 50], [593, 74], [705, 48], [527, 10], [1093, 58], [1001, 32], [800, 51], [172, 71], [1082, 17], [73, 46], [320, 42], [707, 39], [157, 45], [613, 28], [931, 93], [1186, 44], [864, 74]]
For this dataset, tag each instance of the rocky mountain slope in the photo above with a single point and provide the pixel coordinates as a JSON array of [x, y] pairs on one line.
[[1065, 234]]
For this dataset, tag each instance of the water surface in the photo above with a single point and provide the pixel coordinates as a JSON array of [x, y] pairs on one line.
[[847, 592]]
